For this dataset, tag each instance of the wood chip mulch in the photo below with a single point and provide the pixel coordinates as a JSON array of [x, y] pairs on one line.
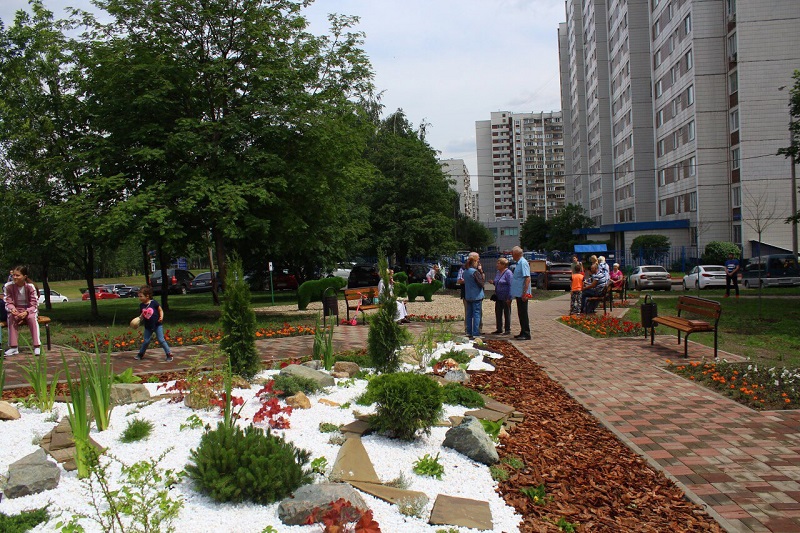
[[591, 477]]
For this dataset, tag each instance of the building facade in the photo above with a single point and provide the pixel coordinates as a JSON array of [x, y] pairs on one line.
[[460, 181]]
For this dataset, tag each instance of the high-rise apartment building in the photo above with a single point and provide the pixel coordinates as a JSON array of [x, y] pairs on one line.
[[696, 116], [520, 165], [460, 182]]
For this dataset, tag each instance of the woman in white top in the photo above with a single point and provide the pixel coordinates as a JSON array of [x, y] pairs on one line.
[[401, 313]]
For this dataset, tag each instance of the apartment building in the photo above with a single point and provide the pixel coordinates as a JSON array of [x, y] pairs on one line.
[[460, 181], [520, 165], [696, 116]]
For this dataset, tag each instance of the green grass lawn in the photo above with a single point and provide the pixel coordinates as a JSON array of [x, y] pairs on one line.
[[764, 330]]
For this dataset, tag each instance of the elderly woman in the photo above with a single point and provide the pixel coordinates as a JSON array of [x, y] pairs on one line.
[[502, 296], [617, 279]]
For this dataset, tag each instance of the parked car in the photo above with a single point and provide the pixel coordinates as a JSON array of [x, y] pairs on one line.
[[180, 281], [101, 293], [202, 282], [55, 297], [650, 277], [128, 292], [114, 287], [363, 275], [342, 270], [417, 272], [558, 276], [776, 270], [451, 278], [283, 280], [703, 276]]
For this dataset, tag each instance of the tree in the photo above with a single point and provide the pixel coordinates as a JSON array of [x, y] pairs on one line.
[[759, 215], [716, 252], [534, 233], [650, 248], [471, 234], [793, 150], [239, 325], [572, 217]]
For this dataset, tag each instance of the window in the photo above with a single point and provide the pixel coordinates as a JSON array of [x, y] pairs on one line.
[[690, 95], [692, 166], [693, 201], [674, 140], [691, 130], [675, 106], [731, 7], [662, 177], [687, 24], [733, 82], [659, 118], [657, 58], [657, 28], [661, 145], [732, 46], [734, 116], [689, 60], [673, 73], [670, 11], [659, 88], [736, 197], [737, 234], [671, 43], [735, 158], [662, 207]]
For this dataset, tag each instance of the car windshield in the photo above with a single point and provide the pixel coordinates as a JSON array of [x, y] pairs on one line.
[[652, 269]]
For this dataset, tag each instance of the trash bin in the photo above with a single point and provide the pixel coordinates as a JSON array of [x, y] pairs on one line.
[[649, 312], [330, 304]]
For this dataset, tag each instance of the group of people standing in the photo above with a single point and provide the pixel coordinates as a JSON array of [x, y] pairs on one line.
[[509, 287]]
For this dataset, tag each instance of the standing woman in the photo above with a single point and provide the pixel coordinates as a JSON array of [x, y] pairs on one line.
[[502, 293], [22, 304]]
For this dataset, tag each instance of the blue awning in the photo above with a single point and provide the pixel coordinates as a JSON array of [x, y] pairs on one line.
[[590, 248]]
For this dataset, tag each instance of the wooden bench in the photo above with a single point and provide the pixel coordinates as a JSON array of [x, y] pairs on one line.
[[693, 306], [605, 296], [354, 297], [43, 321]]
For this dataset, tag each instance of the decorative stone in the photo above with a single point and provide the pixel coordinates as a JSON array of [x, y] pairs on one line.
[[494, 405], [457, 375], [486, 414], [325, 401], [452, 511], [353, 464], [8, 411], [502, 434], [60, 445], [387, 493], [127, 393], [295, 510], [316, 364], [323, 379], [455, 420], [408, 355], [238, 382], [340, 375], [31, 475], [348, 367], [469, 438], [299, 401], [355, 428]]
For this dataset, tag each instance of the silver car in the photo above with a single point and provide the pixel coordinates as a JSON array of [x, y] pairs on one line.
[[650, 277]]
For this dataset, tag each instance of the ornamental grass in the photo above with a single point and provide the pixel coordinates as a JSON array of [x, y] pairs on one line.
[[603, 326]]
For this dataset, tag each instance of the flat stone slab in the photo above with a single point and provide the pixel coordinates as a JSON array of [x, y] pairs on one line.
[[494, 405], [387, 493], [356, 427], [456, 420], [353, 464], [452, 511], [486, 414]]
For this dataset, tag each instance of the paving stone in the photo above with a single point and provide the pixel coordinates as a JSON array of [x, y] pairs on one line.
[[325, 401], [387, 493], [356, 427], [353, 464], [452, 511], [486, 414], [494, 405], [8, 411]]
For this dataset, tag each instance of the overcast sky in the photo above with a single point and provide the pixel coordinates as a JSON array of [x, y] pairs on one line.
[[445, 62]]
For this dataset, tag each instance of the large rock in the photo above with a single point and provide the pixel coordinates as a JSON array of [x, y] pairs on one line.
[[127, 393], [8, 411], [457, 375], [316, 364], [299, 401], [31, 475], [346, 367], [294, 511], [324, 380], [470, 439]]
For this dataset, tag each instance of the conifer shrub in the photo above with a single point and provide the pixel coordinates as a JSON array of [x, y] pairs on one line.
[[313, 290], [457, 394], [235, 465], [385, 335], [291, 385], [239, 324], [406, 404], [425, 290]]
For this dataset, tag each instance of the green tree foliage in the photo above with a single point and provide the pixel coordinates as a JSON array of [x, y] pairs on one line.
[[239, 325], [793, 150], [570, 218], [385, 336], [534, 233], [650, 247], [406, 404], [411, 202], [716, 252], [471, 234]]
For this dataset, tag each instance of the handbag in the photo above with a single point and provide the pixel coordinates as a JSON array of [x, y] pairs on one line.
[[493, 297]]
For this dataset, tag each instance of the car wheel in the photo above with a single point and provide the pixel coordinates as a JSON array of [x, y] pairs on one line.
[[636, 286], [184, 290], [684, 286], [746, 284]]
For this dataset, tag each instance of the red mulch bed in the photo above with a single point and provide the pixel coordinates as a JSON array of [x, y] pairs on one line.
[[594, 479]]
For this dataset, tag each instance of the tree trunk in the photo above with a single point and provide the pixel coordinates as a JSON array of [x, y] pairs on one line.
[[219, 244], [90, 280], [214, 292], [145, 264], [46, 285], [162, 258]]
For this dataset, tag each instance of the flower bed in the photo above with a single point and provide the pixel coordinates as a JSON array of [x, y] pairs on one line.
[[759, 387], [603, 325], [132, 339], [434, 318]]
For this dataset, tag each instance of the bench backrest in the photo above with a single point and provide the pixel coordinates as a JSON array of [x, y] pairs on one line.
[[357, 294], [699, 306]]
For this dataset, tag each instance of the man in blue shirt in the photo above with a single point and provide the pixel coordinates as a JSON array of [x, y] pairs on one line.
[[731, 275], [521, 292], [594, 286]]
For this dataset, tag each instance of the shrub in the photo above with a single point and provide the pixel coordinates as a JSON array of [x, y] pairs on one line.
[[459, 356], [425, 290], [385, 335], [716, 252], [290, 385], [457, 394], [235, 465], [24, 521], [313, 290], [239, 324], [406, 404], [137, 429], [400, 277]]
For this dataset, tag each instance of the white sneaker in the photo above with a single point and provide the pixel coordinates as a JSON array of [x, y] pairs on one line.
[[37, 351], [12, 351]]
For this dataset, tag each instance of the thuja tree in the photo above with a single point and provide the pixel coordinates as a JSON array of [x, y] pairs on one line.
[[385, 335], [239, 324]]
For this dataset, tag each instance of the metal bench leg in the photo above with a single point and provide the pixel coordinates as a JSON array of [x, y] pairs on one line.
[[652, 333], [47, 331], [685, 345], [679, 336], [715, 343]]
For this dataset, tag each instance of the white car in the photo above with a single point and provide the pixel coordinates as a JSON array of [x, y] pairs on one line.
[[55, 297], [342, 270], [650, 277], [703, 276]]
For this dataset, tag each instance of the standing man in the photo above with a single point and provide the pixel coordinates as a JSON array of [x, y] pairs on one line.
[[521, 292], [731, 275], [473, 293]]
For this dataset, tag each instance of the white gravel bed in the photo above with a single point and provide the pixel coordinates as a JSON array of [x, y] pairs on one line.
[[463, 477]]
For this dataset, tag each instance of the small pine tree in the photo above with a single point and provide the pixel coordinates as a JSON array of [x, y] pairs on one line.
[[239, 324], [385, 336]]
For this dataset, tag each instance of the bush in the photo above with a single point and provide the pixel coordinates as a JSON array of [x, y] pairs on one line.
[[313, 290], [239, 324], [651, 248], [457, 394], [716, 252], [291, 385], [425, 290], [25, 521], [231, 465], [385, 335], [400, 277], [406, 404]]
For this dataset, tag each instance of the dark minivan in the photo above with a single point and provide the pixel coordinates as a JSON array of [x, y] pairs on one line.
[[776, 270], [363, 275], [179, 281]]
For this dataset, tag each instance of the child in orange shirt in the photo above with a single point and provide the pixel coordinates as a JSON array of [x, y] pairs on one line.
[[577, 288]]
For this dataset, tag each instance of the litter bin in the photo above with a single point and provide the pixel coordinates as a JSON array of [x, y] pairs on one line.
[[330, 304], [649, 312]]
